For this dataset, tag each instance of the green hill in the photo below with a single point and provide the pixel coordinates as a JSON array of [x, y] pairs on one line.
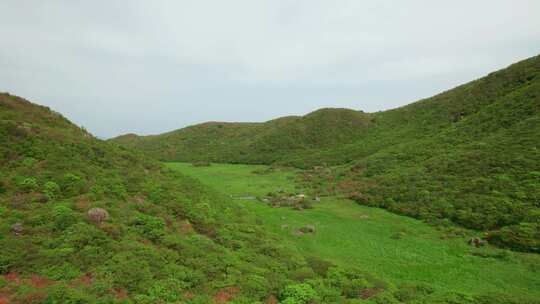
[[471, 156], [86, 221], [253, 142], [468, 155]]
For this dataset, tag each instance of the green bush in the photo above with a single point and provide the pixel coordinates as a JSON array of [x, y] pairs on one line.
[[522, 237], [63, 217], [256, 287], [28, 184], [319, 265], [62, 293], [407, 293], [350, 281], [72, 185], [64, 271], [167, 291], [150, 227], [51, 190], [298, 294], [81, 235], [29, 162], [130, 272]]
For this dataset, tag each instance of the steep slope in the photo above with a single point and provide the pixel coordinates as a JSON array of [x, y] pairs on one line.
[[431, 116], [470, 156], [84, 221]]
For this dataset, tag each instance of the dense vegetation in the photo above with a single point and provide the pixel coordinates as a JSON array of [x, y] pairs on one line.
[[85, 221], [469, 155], [253, 142]]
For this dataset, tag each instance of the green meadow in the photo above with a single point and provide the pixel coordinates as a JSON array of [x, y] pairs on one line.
[[397, 249]]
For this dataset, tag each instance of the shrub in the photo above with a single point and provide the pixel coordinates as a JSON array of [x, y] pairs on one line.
[[130, 272], [407, 293], [385, 298], [51, 190], [63, 217], [302, 274], [62, 293], [522, 237], [167, 291], [117, 190], [256, 286], [29, 162], [298, 294], [28, 184], [72, 184], [352, 282], [83, 245], [150, 227], [319, 265], [81, 235], [64, 271], [306, 204]]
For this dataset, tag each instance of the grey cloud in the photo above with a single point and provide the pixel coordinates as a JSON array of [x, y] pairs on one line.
[[152, 66]]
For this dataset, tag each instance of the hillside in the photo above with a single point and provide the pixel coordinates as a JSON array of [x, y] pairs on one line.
[[85, 221], [471, 157], [338, 136], [468, 155], [253, 142]]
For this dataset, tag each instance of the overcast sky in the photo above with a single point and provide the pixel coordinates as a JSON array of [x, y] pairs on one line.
[[152, 66]]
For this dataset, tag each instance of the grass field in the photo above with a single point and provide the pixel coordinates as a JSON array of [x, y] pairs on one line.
[[398, 249]]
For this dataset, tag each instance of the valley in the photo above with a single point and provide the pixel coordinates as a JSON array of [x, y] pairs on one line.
[[395, 248]]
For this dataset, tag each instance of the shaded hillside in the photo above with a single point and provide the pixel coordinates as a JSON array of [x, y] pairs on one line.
[[469, 155], [434, 116], [84, 221]]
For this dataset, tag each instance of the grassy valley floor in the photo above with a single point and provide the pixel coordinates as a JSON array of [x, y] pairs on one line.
[[398, 249]]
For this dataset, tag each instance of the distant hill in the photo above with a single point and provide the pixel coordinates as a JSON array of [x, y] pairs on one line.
[[253, 142], [470, 155]]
